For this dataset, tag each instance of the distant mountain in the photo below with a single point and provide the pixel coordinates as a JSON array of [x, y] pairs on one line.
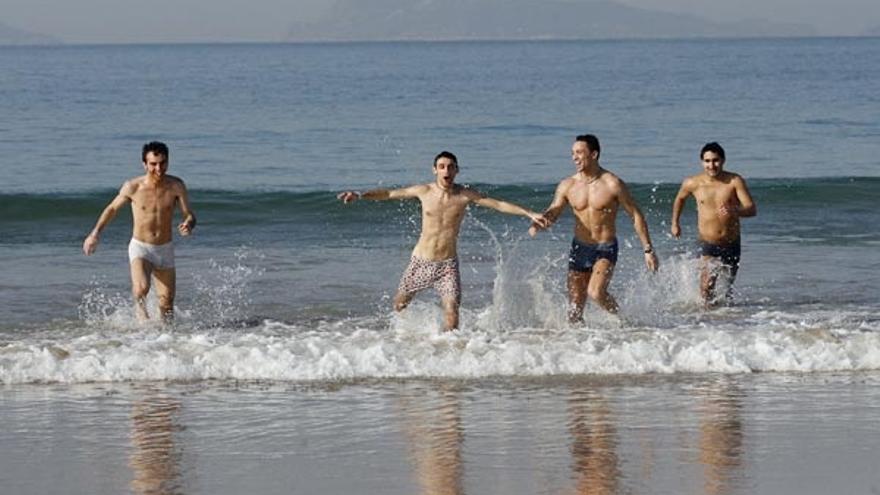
[[14, 36], [516, 19]]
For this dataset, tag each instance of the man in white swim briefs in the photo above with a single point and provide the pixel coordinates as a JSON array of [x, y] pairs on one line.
[[434, 260], [153, 197]]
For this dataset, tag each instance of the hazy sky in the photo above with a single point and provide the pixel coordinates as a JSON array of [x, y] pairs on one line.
[[126, 21]]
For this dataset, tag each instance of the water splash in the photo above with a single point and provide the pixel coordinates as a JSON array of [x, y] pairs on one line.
[[222, 292]]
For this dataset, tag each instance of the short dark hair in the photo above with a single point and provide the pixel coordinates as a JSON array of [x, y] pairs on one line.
[[592, 143], [445, 154], [156, 147], [714, 148]]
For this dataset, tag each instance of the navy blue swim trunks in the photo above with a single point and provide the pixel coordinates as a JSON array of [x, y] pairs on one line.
[[583, 256], [728, 254]]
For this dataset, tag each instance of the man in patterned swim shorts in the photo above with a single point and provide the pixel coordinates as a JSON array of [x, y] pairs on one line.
[[434, 260]]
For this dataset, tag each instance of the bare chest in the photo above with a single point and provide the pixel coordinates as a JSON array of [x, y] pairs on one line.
[[591, 197], [444, 210], [153, 200], [714, 195]]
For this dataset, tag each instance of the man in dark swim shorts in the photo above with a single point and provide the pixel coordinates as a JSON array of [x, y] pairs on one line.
[[595, 195], [722, 199]]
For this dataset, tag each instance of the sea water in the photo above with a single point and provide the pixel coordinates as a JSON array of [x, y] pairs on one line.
[[282, 284]]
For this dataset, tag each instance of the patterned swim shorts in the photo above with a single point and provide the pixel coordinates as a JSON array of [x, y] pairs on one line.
[[443, 275]]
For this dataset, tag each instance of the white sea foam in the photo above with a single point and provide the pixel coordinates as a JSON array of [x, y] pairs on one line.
[[522, 332], [411, 345]]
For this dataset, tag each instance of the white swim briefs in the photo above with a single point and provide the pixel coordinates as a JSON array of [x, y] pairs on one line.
[[161, 256]]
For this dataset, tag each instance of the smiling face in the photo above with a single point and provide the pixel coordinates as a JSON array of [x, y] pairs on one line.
[[583, 157], [713, 163], [445, 169], [155, 165]]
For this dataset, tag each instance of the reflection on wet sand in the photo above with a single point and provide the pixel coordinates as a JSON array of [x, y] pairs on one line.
[[432, 423], [721, 438], [595, 462], [155, 459]]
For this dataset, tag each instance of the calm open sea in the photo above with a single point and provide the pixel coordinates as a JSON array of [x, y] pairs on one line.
[[281, 285]]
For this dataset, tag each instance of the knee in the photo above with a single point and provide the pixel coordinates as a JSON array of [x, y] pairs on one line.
[[140, 290], [596, 293]]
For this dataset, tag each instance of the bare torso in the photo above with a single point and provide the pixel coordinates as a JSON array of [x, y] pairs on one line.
[[714, 197], [595, 205], [442, 214], [152, 207]]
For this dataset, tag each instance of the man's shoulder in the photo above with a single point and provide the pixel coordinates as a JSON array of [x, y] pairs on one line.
[[693, 180], [417, 190], [567, 182], [422, 188], [611, 181], [734, 177], [725, 179], [174, 180], [131, 185], [611, 177], [468, 191]]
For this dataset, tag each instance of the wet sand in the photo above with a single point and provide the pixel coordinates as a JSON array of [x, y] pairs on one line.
[[712, 434]]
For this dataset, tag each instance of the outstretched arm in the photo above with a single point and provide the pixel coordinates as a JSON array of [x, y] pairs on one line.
[[189, 218], [641, 226], [90, 244], [552, 213], [382, 194], [678, 207], [505, 207]]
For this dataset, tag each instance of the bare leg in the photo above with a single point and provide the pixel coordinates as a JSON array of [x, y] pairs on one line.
[[577, 295], [708, 278], [141, 270], [402, 300], [598, 286], [730, 271], [450, 313], [166, 280]]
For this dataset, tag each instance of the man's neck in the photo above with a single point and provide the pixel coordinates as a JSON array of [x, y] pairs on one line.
[[154, 181], [590, 173], [443, 189]]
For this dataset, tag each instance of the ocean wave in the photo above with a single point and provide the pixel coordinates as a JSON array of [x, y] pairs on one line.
[[239, 206], [411, 346]]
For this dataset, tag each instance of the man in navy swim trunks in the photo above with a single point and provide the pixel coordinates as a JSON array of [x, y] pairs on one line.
[[722, 199], [595, 195]]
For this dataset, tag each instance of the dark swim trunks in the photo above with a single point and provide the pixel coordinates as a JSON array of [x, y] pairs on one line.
[[583, 256], [728, 254]]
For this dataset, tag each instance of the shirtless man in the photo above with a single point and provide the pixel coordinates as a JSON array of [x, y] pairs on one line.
[[595, 195], [434, 260], [153, 197], [722, 198]]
